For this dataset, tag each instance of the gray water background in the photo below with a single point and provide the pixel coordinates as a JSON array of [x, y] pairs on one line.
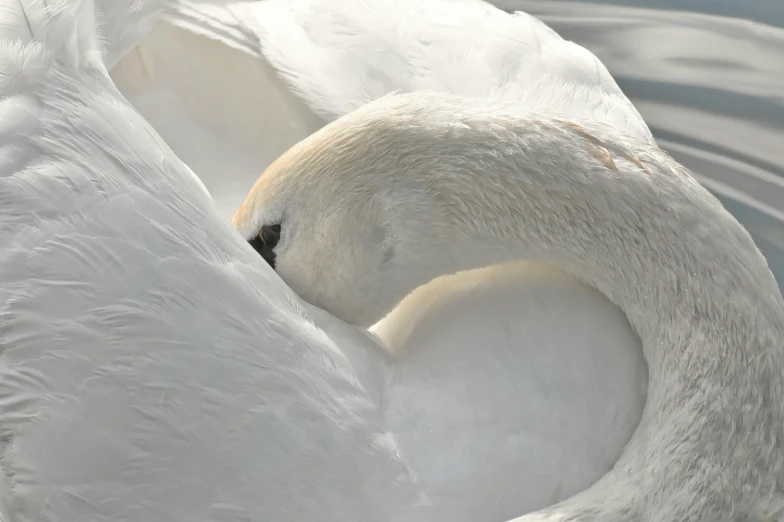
[[708, 77]]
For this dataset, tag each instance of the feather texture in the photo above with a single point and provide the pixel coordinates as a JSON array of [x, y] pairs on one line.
[[132, 387]]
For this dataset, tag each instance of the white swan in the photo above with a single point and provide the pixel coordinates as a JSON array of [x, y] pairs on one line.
[[152, 367], [231, 88], [389, 197]]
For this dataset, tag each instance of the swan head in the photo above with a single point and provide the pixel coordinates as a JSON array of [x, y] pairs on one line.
[[342, 217]]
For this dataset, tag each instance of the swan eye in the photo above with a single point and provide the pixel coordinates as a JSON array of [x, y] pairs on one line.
[[265, 241], [270, 235]]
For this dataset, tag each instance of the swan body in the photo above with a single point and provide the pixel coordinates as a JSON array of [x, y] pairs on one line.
[[230, 88], [153, 368], [399, 178]]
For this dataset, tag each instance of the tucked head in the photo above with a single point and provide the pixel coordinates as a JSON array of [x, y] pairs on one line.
[[343, 218], [415, 186]]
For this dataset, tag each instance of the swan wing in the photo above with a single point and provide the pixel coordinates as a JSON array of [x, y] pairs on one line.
[[152, 367], [224, 111], [339, 55], [231, 87]]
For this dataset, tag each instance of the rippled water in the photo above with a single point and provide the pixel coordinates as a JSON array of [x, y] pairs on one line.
[[710, 87]]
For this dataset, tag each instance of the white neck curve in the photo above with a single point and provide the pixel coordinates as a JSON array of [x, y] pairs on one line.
[[628, 220]]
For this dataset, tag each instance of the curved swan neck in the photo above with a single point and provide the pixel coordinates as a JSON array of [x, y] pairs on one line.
[[630, 221], [618, 214]]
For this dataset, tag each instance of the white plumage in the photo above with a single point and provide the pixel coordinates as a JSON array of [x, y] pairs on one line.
[[153, 368], [232, 87], [133, 386]]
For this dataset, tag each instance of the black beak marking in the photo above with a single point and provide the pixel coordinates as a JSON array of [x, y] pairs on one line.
[[263, 249]]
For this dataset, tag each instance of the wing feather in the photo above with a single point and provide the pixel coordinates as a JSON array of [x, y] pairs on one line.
[[151, 367]]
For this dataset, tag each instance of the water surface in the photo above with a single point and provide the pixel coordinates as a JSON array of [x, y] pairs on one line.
[[708, 77]]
